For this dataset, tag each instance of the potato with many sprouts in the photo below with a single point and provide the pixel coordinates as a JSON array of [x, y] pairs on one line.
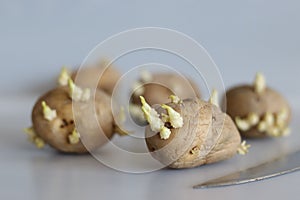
[[191, 132], [55, 114], [157, 88], [258, 110]]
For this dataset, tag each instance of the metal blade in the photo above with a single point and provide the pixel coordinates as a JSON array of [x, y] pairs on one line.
[[279, 166]]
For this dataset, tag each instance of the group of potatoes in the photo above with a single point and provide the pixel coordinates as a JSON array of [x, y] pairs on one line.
[[182, 131]]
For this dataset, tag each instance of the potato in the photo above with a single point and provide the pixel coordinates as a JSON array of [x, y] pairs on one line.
[[55, 114], [257, 110], [206, 136], [157, 88], [161, 85], [90, 76]]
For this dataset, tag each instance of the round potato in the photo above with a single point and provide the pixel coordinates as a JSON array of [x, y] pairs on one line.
[[59, 130], [90, 77], [258, 113], [156, 89]]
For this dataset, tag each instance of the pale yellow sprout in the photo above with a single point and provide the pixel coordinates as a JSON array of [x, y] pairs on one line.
[[214, 98], [30, 133], [63, 77], [243, 148], [282, 117], [274, 131], [76, 93], [152, 117], [48, 113], [259, 83], [253, 119], [165, 133], [175, 99], [262, 126], [39, 142], [242, 125], [74, 138], [269, 119], [175, 119], [86, 94], [32, 137], [165, 118]]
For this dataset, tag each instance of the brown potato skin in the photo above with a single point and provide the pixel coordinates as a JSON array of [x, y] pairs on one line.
[[205, 127], [55, 132], [242, 100], [165, 84], [89, 77]]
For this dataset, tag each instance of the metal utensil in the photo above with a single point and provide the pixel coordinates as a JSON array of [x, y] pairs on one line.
[[279, 166]]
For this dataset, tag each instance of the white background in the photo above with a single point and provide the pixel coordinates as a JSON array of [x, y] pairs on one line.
[[38, 37]]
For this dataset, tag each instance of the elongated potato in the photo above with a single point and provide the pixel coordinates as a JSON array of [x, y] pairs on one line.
[[206, 136]]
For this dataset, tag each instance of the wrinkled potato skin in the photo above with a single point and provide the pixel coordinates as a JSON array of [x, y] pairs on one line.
[[89, 77], [163, 85], [202, 124], [55, 132], [242, 100]]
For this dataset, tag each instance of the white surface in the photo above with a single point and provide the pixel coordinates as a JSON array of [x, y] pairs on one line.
[[29, 173], [38, 37]]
